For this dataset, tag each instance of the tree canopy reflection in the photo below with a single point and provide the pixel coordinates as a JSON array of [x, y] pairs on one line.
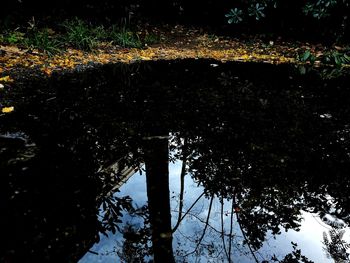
[[272, 145]]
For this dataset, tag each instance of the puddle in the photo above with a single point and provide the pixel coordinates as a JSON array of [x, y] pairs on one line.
[[266, 150]]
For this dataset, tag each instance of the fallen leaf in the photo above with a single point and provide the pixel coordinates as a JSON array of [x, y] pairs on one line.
[[145, 58], [7, 109], [6, 79], [47, 71]]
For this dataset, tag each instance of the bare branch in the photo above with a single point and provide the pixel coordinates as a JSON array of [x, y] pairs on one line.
[[199, 197], [182, 183], [205, 228], [231, 228], [222, 228]]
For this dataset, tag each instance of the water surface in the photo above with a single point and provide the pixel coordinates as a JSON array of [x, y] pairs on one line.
[[265, 149]]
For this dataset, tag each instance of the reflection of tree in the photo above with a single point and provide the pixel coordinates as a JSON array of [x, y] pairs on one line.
[[294, 257], [274, 158], [157, 174], [273, 150], [136, 246], [335, 246]]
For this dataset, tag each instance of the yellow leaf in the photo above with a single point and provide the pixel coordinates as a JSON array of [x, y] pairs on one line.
[[145, 58], [47, 71], [6, 79], [7, 109]]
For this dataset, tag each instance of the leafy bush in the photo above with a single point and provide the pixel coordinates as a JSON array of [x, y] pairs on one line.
[[328, 17], [337, 58], [321, 8], [257, 9], [332, 57]]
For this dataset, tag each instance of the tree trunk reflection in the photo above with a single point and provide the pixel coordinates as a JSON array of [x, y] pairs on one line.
[[157, 176]]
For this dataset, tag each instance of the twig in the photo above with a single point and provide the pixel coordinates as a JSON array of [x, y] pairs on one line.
[[182, 182], [199, 197], [205, 228], [202, 221], [230, 236], [246, 239], [222, 228]]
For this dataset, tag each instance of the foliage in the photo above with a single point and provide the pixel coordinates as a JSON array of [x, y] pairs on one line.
[[42, 40], [33, 38], [333, 57], [112, 208], [125, 38], [150, 39], [294, 257], [100, 32], [321, 8], [79, 34], [316, 17], [335, 246], [85, 36], [257, 9], [12, 37], [234, 16], [337, 58], [307, 56], [137, 238]]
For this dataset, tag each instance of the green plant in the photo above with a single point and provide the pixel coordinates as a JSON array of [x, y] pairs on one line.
[[13, 37], [235, 16], [42, 40], [307, 56], [332, 73], [337, 58], [257, 10], [125, 38], [79, 34], [100, 33], [319, 9], [150, 39]]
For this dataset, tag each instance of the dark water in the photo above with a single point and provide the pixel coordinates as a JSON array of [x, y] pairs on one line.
[[264, 148]]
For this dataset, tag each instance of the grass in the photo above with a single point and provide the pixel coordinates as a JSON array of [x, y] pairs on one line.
[[44, 41], [84, 36], [12, 37], [125, 38], [78, 34], [151, 39], [33, 39]]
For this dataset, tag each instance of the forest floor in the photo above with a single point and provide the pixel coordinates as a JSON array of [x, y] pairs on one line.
[[175, 42]]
